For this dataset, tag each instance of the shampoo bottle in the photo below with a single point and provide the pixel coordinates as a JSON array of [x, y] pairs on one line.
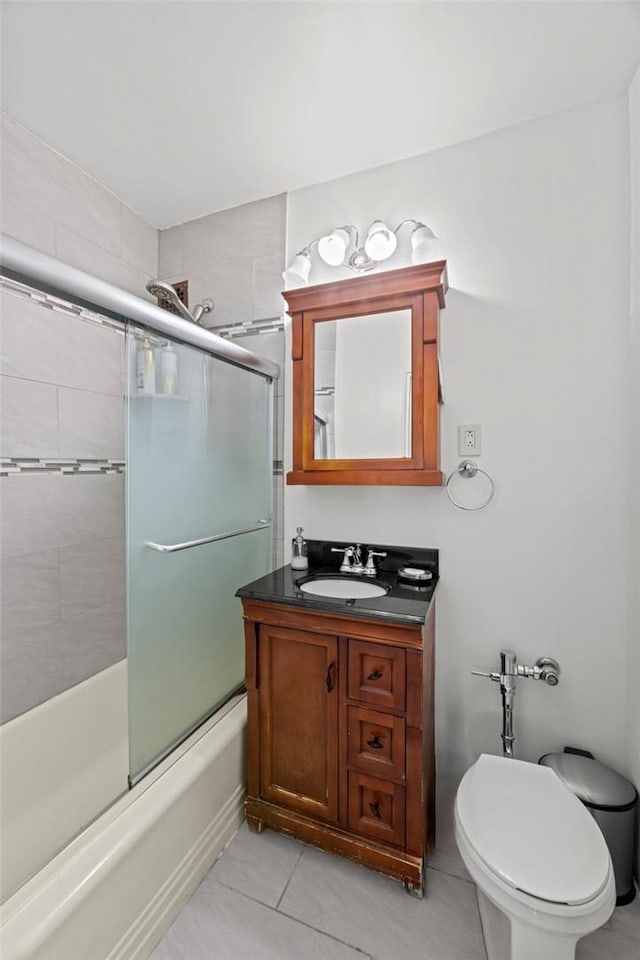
[[299, 558], [145, 369], [168, 371]]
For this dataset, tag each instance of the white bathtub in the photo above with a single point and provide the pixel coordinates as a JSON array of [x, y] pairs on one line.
[[62, 764], [114, 890]]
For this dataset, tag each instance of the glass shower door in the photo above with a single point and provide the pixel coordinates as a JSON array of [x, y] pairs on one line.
[[199, 467]]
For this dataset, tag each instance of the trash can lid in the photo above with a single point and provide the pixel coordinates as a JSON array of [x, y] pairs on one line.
[[594, 783]]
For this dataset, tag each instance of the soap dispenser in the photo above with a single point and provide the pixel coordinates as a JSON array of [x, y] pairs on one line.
[[299, 558]]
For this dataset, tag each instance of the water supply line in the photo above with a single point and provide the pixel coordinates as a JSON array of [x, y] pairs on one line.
[[544, 669]]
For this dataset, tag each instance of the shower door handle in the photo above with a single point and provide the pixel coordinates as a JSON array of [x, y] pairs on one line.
[[174, 547]]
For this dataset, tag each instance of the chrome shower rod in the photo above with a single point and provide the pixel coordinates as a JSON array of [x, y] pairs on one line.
[[28, 265]]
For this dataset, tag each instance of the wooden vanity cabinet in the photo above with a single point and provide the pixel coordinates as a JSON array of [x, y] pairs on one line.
[[340, 734]]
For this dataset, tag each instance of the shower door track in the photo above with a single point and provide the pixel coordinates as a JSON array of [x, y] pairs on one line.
[[229, 702], [21, 262]]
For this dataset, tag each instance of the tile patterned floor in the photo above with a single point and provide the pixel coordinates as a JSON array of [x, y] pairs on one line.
[[269, 897]]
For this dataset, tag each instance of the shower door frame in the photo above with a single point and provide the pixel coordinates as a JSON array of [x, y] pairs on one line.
[[29, 266]]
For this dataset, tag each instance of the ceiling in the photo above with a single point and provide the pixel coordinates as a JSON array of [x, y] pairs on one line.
[[185, 108]]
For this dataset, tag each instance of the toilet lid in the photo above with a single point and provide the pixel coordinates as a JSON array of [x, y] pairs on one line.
[[531, 831]]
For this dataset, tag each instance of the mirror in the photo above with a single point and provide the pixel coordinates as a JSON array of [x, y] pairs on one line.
[[362, 387], [366, 378]]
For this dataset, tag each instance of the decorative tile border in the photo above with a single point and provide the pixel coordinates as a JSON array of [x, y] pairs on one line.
[[59, 305], [249, 328], [29, 465], [232, 331], [21, 465]]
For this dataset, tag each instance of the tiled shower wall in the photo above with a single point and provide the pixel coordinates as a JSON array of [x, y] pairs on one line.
[[62, 561], [62, 440], [62, 491], [51, 204], [236, 258]]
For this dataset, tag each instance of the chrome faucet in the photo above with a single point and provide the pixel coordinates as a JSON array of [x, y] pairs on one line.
[[543, 669], [347, 559], [357, 566], [352, 559], [370, 567]]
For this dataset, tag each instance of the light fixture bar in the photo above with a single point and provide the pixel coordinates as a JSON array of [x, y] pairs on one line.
[[380, 244]]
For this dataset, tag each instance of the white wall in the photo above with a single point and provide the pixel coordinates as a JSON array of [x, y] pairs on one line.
[[633, 674], [534, 348]]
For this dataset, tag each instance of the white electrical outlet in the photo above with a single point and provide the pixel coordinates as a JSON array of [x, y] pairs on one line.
[[469, 437]]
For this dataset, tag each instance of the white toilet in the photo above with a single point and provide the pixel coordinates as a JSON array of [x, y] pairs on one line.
[[541, 865]]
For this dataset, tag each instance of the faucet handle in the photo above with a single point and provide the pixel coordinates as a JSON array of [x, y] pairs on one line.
[[483, 672], [347, 560], [370, 569]]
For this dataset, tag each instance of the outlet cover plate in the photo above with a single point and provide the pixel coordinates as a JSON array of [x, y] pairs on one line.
[[469, 440]]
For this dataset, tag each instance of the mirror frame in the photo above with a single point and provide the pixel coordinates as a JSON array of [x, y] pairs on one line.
[[420, 289]]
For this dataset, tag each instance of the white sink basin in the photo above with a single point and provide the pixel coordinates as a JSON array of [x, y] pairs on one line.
[[342, 589]]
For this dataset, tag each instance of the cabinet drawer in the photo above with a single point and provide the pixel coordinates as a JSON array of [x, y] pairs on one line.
[[377, 674], [376, 808], [376, 743]]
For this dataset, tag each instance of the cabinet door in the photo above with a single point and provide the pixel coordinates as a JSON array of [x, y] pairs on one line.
[[298, 696]]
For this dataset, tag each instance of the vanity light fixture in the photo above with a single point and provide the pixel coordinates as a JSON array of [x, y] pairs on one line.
[[381, 242], [341, 248]]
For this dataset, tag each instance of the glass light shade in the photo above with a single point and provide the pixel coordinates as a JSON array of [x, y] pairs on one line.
[[421, 243], [381, 242], [297, 274], [333, 247]]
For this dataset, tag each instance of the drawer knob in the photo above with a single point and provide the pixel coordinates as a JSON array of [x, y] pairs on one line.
[[375, 744], [376, 675], [375, 809]]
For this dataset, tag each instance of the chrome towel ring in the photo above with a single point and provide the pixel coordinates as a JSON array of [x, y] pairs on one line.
[[468, 469]]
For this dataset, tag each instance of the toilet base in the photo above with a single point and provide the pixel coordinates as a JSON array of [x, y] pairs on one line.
[[506, 940], [496, 928]]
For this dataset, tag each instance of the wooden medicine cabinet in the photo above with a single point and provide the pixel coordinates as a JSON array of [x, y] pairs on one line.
[[366, 378]]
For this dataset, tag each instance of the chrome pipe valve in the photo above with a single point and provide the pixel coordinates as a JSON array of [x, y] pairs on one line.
[[490, 674], [545, 668]]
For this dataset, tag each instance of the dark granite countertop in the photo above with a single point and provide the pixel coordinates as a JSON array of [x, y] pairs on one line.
[[402, 603]]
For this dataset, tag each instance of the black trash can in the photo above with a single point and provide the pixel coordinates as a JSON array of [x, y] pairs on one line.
[[611, 800]]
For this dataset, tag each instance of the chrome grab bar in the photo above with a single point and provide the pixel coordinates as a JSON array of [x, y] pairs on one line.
[[174, 547]]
